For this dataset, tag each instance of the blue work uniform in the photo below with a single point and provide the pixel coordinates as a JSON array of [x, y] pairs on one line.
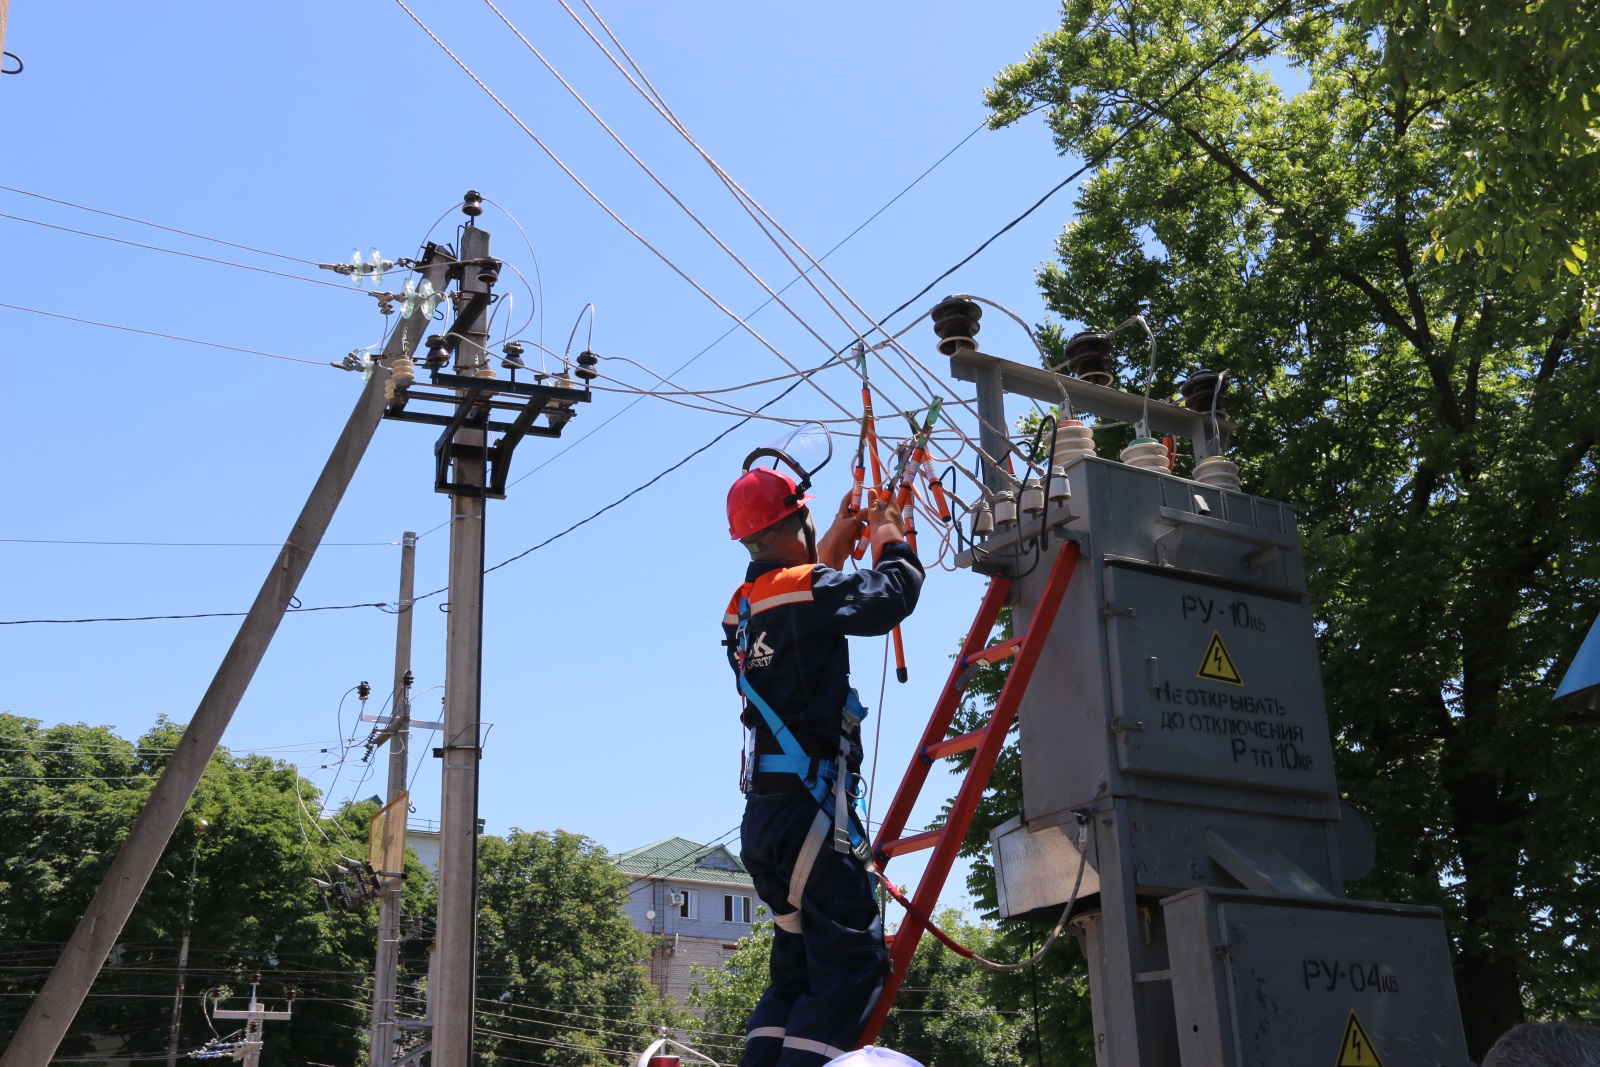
[[828, 956]]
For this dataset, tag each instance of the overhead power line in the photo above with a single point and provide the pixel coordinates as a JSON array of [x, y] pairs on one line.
[[175, 252], [166, 336], [159, 226]]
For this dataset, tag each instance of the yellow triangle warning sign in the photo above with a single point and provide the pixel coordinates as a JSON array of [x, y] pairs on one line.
[[1217, 665], [1356, 1049]]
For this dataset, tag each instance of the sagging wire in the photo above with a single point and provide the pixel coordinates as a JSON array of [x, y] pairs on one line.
[[588, 345], [1143, 428], [537, 275], [1083, 815]]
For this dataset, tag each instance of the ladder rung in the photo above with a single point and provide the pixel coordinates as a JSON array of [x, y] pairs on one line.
[[914, 843], [950, 746], [996, 653]]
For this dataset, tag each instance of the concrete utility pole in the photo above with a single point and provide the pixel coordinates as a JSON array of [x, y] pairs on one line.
[[399, 735], [58, 1002], [471, 470], [463, 671]]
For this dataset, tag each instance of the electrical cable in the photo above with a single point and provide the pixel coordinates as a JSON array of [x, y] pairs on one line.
[[175, 252], [606, 207], [158, 226], [190, 544], [746, 202], [731, 330], [167, 336]]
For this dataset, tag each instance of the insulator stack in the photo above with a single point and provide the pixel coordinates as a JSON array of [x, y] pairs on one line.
[[1073, 439], [1218, 472], [559, 412], [438, 351], [586, 365], [1201, 392], [1089, 357], [955, 321], [402, 372], [1149, 453]]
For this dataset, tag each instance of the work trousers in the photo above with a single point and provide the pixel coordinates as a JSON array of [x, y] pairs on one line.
[[828, 956]]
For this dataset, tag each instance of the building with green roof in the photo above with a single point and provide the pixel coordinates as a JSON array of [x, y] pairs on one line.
[[696, 900]]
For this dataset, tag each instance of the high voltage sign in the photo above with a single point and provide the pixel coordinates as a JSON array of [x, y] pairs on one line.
[[1355, 1048], [1216, 665]]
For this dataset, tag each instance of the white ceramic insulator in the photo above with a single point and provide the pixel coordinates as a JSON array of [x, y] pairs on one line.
[[1219, 472], [402, 372], [1060, 485], [982, 522], [1005, 510], [1032, 496], [1073, 439], [1152, 455]]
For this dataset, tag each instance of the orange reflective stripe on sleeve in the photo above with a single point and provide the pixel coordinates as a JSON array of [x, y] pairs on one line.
[[790, 585]]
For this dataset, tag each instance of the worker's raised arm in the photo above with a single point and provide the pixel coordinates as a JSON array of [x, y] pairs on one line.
[[872, 601]]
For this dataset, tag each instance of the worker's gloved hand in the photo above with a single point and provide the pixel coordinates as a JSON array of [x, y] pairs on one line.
[[840, 538], [887, 526]]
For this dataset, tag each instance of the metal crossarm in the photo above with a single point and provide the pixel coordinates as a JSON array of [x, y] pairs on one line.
[[988, 740]]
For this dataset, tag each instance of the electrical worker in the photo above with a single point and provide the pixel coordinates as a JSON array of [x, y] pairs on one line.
[[803, 845]]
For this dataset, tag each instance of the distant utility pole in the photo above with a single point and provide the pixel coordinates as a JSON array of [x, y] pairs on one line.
[[183, 948], [249, 1050], [471, 470], [397, 804]]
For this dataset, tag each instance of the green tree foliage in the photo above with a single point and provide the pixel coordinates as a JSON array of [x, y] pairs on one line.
[[1416, 373], [562, 975], [943, 1015], [67, 797]]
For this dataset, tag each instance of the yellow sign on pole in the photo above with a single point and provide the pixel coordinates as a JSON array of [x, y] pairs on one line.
[[386, 836], [1356, 1048], [1217, 665]]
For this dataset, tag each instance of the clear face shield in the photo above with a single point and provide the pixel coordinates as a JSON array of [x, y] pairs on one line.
[[804, 450]]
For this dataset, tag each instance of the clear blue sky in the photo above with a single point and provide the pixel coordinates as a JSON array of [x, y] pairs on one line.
[[309, 128]]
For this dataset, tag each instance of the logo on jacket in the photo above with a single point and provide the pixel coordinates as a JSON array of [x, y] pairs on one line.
[[760, 651]]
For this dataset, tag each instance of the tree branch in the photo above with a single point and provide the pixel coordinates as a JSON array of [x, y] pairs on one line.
[[1387, 312]]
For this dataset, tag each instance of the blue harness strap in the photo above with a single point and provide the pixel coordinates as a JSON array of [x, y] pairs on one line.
[[817, 774]]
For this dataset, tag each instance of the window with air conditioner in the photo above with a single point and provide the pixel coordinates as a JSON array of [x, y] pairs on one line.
[[735, 909], [690, 908]]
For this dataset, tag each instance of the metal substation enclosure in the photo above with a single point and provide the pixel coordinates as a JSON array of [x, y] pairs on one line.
[[1178, 705]]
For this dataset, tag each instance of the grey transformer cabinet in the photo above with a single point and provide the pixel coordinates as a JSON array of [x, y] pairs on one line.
[[1212, 911]]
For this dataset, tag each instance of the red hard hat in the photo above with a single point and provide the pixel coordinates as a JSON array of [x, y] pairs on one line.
[[760, 497]]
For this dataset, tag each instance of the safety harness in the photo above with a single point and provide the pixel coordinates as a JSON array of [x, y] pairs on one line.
[[826, 780]]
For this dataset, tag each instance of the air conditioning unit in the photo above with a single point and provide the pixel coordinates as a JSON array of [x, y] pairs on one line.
[[675, 900]]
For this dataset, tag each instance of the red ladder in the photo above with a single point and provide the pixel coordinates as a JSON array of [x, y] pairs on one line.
[[988, 740]]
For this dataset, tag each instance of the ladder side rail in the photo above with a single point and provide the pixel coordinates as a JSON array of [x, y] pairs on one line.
[[972, 787], [905, 797]]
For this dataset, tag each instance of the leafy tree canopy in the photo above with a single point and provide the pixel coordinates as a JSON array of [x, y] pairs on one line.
[[68, 795], [562, 976]]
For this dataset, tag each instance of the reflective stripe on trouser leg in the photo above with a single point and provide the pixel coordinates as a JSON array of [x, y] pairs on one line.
[[767, 1026], [845, 961], [805, 1044]]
